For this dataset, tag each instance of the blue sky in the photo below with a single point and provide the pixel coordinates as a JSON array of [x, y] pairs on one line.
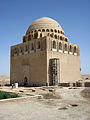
[[17, 15]]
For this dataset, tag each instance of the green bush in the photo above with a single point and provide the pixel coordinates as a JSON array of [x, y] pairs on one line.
[[6, 95], [63, 108]]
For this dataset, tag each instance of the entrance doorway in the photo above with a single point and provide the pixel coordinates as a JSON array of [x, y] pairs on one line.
[[54, 71], [25, 81]]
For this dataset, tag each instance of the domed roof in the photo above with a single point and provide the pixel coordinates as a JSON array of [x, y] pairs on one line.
[[44, 23]]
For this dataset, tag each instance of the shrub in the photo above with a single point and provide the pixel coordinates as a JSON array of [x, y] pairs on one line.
[[6, 95]]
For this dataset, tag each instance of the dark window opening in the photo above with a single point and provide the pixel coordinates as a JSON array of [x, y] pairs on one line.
[[60, 46], [66, 48], [70, 48], [24, 39], [29, 37], [43, 30], [40, 34], [55, 36], [60, 37], [54, 44], [35, 35]]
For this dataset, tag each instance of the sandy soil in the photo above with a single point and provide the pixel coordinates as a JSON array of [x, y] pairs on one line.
[[4, 79], [55, 104]]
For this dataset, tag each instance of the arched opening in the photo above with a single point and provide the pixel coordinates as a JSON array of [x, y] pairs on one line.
[[25, 81], [51, 34], [55, 30], [60, 37], [55, 36], [39, 30], [35, 31], [66, 47], [31, 31], [75, 50], [38, 45], [35, 35], [47, 30], [15, 51], [20, 51], [29, 37], [51, 30], [43, 30], [58, 31], [40, 34], [70, 48], [60, 46], [31, 47], [54, 44], [61, 32], [66, 40]]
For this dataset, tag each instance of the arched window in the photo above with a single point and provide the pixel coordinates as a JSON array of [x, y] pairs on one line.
[[60, 46], [66, 39], [43, 30], [24, 39], [61, 32], [35, 35], [70, 48], [51, 34], [51, 30], [58, 31], [47, 30], [15, 51], [39, 30], [38, 45], [60, 37], [55, 30], [29, 37], [54, 45], [66, 47], [55, 36], [75, 50], [20, 50], [31, 47], [31, 31], [35, 31], [40, 34]]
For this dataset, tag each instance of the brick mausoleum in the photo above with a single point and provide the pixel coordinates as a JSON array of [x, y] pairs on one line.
[[45, 57]]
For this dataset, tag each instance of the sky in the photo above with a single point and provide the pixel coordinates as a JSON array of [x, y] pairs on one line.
[[17, 15]]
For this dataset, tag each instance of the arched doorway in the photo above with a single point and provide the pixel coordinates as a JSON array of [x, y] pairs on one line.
[[25, 81]]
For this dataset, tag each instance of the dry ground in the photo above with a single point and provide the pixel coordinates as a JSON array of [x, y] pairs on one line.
[[55, 103], [4, 79]]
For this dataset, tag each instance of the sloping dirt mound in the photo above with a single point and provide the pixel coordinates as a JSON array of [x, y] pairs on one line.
[[51, 96], [86, 93]]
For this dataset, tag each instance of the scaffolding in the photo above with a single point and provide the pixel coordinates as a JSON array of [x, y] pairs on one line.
[[54, 71]]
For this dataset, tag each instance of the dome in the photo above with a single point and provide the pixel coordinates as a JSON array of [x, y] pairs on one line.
[[44, 23]]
